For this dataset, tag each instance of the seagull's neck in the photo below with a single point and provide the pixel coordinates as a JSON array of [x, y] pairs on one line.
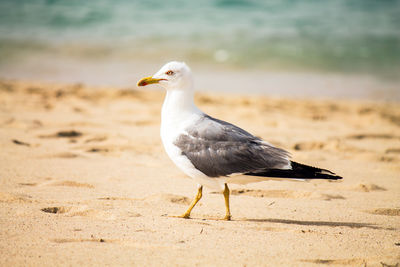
[[178, 106]]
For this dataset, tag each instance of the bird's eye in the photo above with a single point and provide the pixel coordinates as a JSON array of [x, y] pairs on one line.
[[170, 72]]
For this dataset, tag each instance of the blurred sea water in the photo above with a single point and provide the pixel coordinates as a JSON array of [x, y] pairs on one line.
[[338, 36]]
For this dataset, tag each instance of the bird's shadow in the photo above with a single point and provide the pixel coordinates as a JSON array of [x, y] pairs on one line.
[[354, 225], [316, 223]]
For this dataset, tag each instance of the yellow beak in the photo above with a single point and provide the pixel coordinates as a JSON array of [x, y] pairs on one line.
[[148, 80]]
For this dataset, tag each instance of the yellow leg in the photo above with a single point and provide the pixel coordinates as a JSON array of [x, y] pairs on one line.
[[226, 196], [186, 215]]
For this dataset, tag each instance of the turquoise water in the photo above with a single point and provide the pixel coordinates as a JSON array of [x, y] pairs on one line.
[[361, 36]]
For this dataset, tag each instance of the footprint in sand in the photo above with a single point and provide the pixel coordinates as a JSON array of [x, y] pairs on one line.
[[63, 155], [63, 134], [372, 136], [101, 150], [176, 199], [28, 184], [367, 187], [308, 146], [21, 143], [15, 198], [393, 118], [117, 149], [51, 182], [67, 155], [329, 197], [330, 144], [56, 210], [384, 211], [72, 184], [84, 211], [392, 150], [96, 139]]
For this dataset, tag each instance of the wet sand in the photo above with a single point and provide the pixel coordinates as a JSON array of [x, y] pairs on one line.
[[85, 181]]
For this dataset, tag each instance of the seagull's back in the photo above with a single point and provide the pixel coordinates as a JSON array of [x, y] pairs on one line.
[[218, 148]]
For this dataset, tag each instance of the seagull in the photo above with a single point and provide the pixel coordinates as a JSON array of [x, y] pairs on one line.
[[214, 152]]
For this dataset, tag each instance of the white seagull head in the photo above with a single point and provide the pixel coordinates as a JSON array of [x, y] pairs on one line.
[[172, 76]]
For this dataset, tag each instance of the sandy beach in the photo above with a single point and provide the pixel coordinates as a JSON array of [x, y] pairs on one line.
[[85, 181]]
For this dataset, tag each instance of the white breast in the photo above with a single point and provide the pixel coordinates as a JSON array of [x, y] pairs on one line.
[[171, 129], [174, 122]]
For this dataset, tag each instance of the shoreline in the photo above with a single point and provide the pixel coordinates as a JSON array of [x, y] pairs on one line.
[[212, 79]]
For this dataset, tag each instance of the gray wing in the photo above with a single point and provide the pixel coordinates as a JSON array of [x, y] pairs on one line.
[[218, 148]]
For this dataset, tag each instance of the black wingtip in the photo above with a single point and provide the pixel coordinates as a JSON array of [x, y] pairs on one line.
[[314, 172], [298, 171]]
